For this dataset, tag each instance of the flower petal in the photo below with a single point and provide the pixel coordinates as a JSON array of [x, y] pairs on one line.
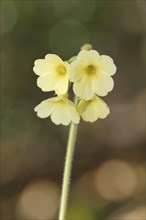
[[91, 113], [62, 85], [75, 71], [103, 109], [52, 58], [93, 109], [44, 109], [47, 82], [53, 82], [107, 65], [83, 88], [61, 116], [88, 110], [61, 109], [102, 84], [73, 114], [90, 56], [41, 66], [47, 65]]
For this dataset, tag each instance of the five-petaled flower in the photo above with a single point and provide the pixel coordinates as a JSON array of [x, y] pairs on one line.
[[53, 74], [61, 110], [91, 110], [91, 74]]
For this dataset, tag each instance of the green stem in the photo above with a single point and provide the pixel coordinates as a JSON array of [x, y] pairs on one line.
[[67, 171]]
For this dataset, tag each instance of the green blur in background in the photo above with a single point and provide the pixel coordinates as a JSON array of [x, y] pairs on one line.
[[108, 178]]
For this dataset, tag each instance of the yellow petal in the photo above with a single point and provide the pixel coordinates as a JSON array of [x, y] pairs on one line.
[[107, 65], [47, 82], [90, 56], [62, 85], [73, 114], [102, 84], [75, 71], [61, 109], [64, 114], [83, 88], [60, 116], [53, 82], [88, 110], [41, 66], [91, 113], [93, 109], [103, 109], [44, 109], [52, 58], [82, 106], [70, 106], [48, 65]]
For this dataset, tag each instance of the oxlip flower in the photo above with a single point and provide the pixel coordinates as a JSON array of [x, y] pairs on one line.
[[91, 74], [53, 74], [91, 110], [61, 110]]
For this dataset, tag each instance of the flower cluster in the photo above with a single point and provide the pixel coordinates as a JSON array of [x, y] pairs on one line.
[[90, 74]]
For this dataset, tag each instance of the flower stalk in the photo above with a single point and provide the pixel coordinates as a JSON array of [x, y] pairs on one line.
[[67, 171], [68, 168]]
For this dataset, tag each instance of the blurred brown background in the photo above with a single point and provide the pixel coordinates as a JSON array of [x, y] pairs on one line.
[[108, 178]]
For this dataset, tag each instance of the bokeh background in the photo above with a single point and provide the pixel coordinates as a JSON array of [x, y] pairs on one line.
[[108, 178]]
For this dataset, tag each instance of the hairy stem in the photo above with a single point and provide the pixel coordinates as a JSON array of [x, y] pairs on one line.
[[67, 170]]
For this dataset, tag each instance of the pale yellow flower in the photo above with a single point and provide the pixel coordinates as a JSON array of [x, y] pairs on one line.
[[61, 110], [53, 74], [91, 74], [91, 110]]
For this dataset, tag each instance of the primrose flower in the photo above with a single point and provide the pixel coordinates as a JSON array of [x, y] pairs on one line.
[[91, 110], [91, 74], [53, 74], [61, 109]]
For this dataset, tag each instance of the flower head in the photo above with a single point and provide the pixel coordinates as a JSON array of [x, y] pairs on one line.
[[61, 109], [53, 74], [91, 74], [91, 110]]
